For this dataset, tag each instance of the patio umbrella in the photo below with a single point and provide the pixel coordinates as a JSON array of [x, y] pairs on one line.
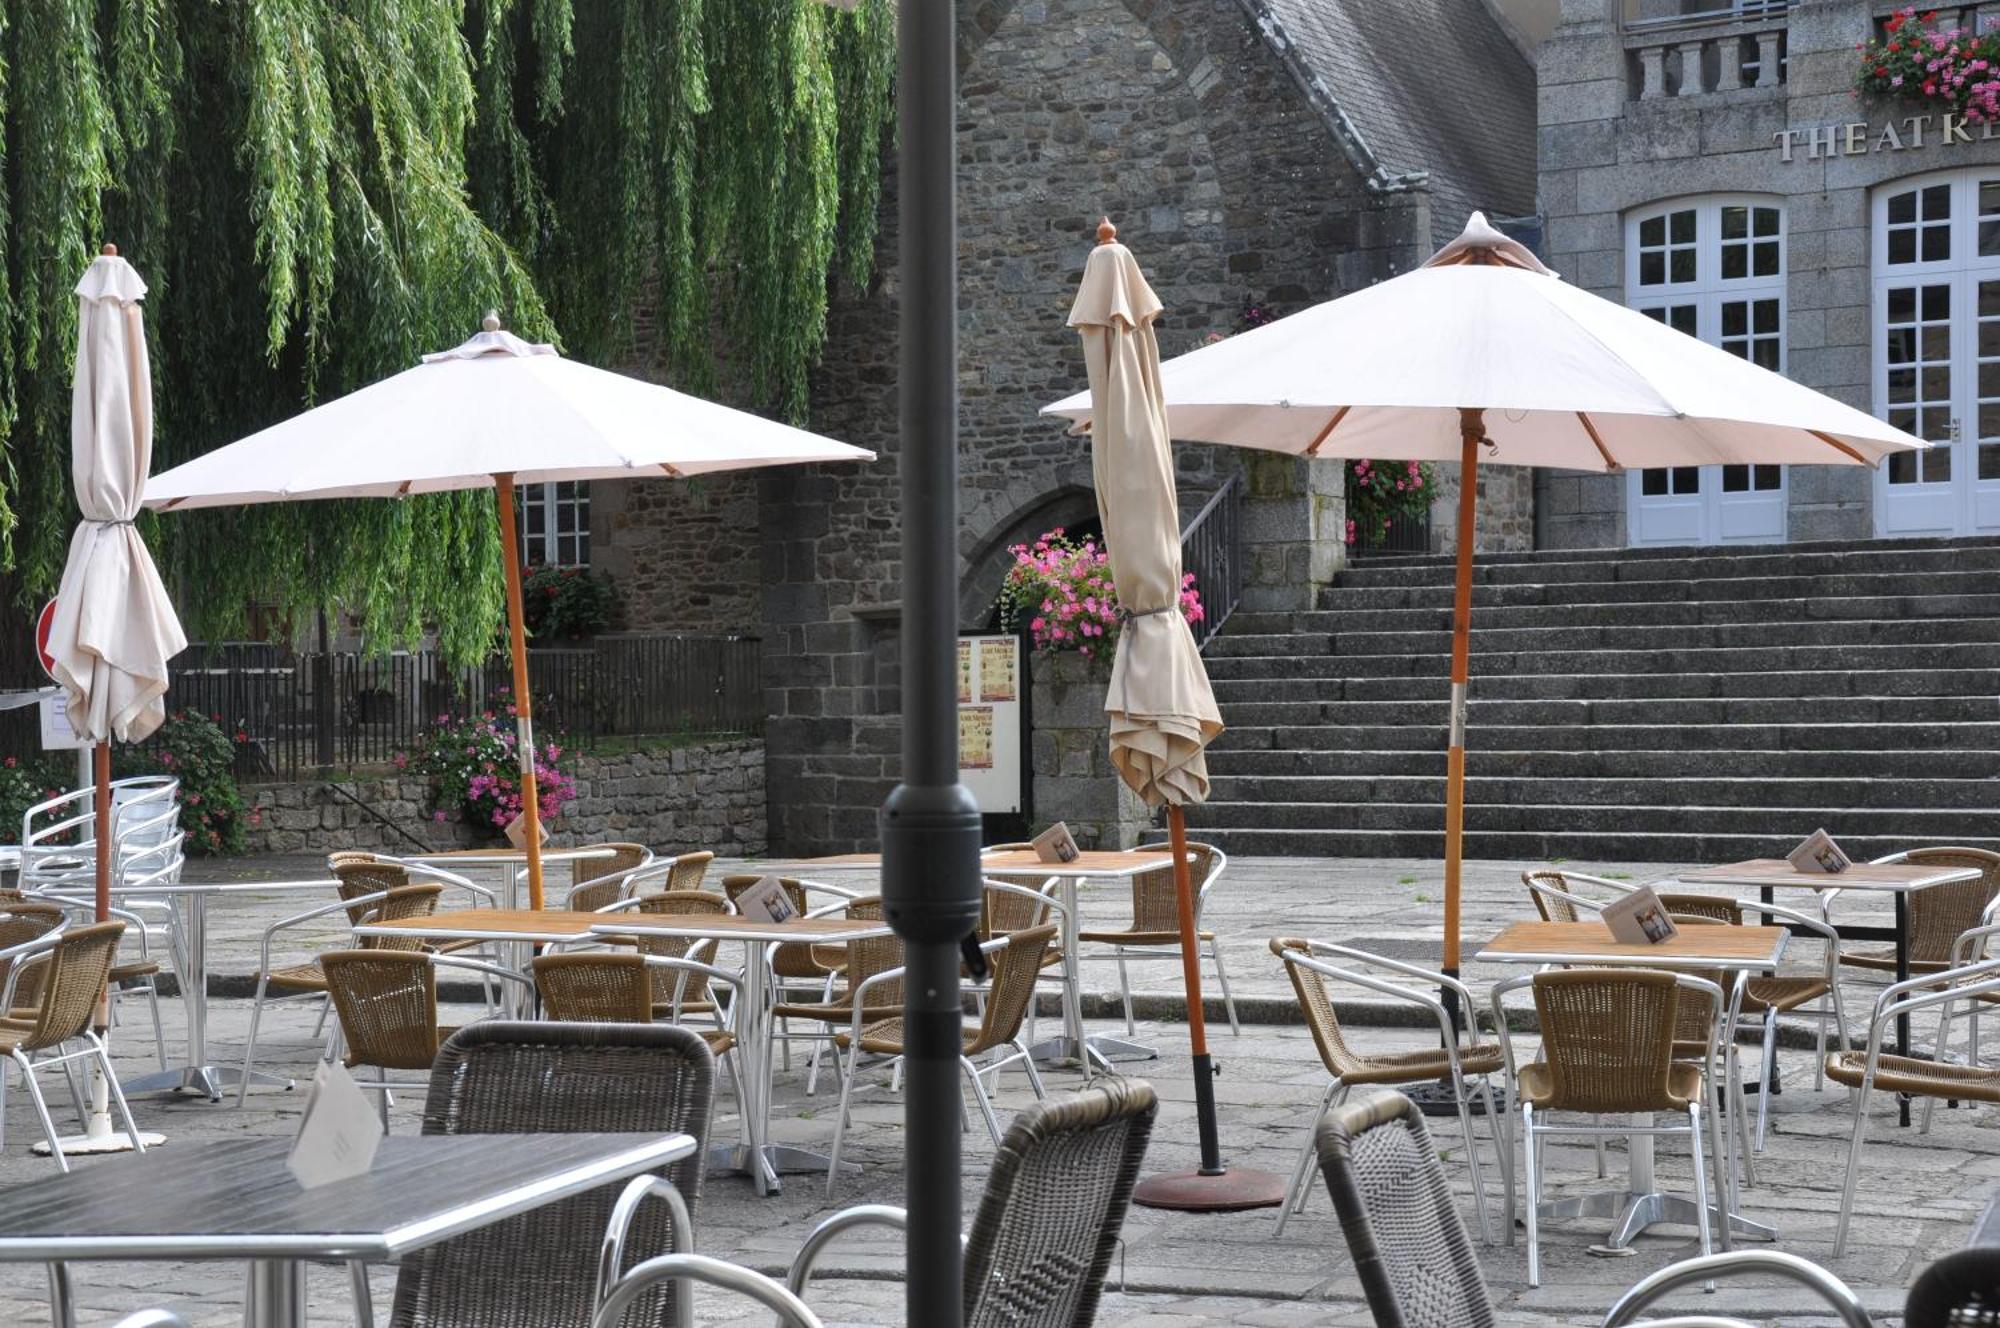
[[495, 411], [1485, 354], [1160, 707], [114, 627]]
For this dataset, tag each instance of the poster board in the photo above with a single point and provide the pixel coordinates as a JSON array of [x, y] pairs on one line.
[[57, 733], [991, 679]]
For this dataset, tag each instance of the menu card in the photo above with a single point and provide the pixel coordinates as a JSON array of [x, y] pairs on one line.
[[516, 831], [1819, 854], [1639, 918], [338, 1133], [766, 901], [1056, 844]]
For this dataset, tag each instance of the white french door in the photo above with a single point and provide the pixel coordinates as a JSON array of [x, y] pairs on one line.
[[1936, 313], [1714, 269]]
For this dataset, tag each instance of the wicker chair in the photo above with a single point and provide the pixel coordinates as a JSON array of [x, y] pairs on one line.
[[1936, 916], [20, 922], [865, 960], [1555, 893], [500, 1077], [307, 980], [1608, 1042], [622, 859], [1460, 1058], [1917, 1076], [678, 992], [613, 987], [1410, 1247], [75, 964], [801, 972], [1049, 1219], [1016, 970], [1959, 1290], [1846, 1306], [1155, 932]]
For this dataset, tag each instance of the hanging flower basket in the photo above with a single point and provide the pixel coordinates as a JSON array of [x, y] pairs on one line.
[[1943, 69]]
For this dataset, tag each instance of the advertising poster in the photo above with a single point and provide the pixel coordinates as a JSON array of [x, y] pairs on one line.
[[990, 741]]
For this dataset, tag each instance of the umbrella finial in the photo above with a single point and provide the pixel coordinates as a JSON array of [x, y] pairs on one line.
[[109, 250], [1106, 232], [492, 320]]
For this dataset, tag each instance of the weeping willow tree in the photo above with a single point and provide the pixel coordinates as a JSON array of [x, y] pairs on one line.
[[320, 191]]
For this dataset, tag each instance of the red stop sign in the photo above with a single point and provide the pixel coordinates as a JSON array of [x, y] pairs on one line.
[[43, 622]]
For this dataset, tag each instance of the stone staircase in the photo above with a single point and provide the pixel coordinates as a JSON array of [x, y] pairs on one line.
[[1681, 705]]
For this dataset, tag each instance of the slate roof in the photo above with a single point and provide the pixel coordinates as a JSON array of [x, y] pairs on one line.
[[1428, 85]]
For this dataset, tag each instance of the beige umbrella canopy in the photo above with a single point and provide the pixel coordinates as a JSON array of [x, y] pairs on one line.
[[1161, 709]]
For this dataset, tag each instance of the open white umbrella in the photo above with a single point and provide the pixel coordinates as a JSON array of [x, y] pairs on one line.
[[114, 629], [495, 411], [1484, 349], [1160, 706]]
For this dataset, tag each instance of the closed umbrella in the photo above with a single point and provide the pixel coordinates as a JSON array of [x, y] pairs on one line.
[[1485, 355], [114, 629], [495, 411], [1160, 708]]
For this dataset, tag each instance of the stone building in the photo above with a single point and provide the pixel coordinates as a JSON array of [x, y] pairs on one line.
[[1253, 152], [1711, 163]]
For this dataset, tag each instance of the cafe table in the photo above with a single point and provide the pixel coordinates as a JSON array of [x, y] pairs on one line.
[[1072, 1046], [237, 1201], [515, 930], [509, 863], [757, 1157], [1591, 945], [1895, 879]]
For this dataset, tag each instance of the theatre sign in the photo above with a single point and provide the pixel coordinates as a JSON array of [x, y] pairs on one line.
[[1859, 138]]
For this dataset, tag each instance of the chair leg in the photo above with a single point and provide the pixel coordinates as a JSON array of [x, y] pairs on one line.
[[1471, 1156], [1700, 1180], [250, 1044], [985, 1102], [103, 1058], [1498, 1113], [1028, 1064], [1739, 1111], [1532, 1174], [1768, 1069], [364, 1296], [79, 1100], [382, 1104], [1853, 1170], [1300, 1184], [42, 1110], [325, 1008], [852, 1067], [1125, 993], [1598, 1141], [1222, 981]]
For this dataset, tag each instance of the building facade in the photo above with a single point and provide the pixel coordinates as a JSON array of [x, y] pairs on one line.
[[1712, 164]]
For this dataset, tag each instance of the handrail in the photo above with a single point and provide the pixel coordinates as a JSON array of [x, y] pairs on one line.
[[1724, 12], [1212, 548]]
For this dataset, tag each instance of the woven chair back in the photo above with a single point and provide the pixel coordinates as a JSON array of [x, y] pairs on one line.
[[875, 954], [400, 905], [595, 894], [1695, 1012], [1410, 1247], [1154, 905], [689, 871], [601, 988], [793, 959], [1608, 1037], [1709, 908], [1017, 969], [1316, 1003], [22, 921], [623, 859], [1055, 1201], [386, 1001], [501, 1077], [1008, 911], [364, 874], [1552, 910], [74, 974], [678, 903], [1940, 914]]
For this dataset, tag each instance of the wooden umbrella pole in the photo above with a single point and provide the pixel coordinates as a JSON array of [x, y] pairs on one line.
[[524, 719], [1471, 432], [1204, 1071], [100, 806]]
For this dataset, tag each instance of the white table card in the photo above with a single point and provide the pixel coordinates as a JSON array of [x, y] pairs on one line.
[[766, 901], [1056, 844], [1639, 918], [1819, 854], [338, 1133]]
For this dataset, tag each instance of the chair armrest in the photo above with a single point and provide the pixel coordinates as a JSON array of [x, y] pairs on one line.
[[1577, 901], [1844, 1303], [847, 1219], [152, 1319], [1602, 882], [611, 1251], [1384, 987], [689, 1268], [1431, 976], [337, 906], [1960, 950], [1817, 926], [826, 888]]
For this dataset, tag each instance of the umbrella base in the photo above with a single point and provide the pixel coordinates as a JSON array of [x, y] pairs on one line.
[[1437, 1099], [1230, 1191], [100, 1138]]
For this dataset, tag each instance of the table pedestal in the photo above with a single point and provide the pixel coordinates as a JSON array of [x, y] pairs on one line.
[[1072, 1047], [277, 1294], [1641, 1206], [190, 958]]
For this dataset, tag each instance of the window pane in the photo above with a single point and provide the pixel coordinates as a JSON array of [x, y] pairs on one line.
[[1682, 225], [1902, 246], [1989, 378], [1937, 202], [1902, 345], [1766, 317], [1989, 338], [1989, 299], [1683, 318], [1735, 479], [1767, 258], [1652, 269], [1767, 221], [1687, 479], [1934, 425], [1902, 468], [1657, 315], [1989, 420], [1770, 477], [1653, 483], [1937, 383], [1765, 353], [1735, 263], [1902, 385], [1735, 318], [1989, 461], [1653, 232], [1937, 465], [1681, 265], [1937, 303], [1902, 207], [1936, 343], [1903, 304], [1937, 244], [1735, 222], [1989, 238]]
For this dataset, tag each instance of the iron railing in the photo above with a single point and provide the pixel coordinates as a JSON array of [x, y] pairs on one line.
[[1212, 548], [294, 713], [1407, 534]]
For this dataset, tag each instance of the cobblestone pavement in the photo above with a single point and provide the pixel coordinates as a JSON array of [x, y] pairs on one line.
[[1919, 1194]]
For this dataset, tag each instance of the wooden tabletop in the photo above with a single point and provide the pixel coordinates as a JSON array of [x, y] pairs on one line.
[[1776, 872], [733, 927], [1019, 862], [491, 924], [1592, 943], [519, 856], [236, 1200]]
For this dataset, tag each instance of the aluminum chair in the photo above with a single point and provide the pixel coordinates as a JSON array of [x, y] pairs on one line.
[[75, 964], [1555, 894], [1608, 1043], [1935, 917], [1843, 1302], [1460, 1057], [1155, 932]]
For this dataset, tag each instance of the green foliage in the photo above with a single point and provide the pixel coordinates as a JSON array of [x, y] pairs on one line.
[[25, 783], [194, 749], [567, 602], [470, 765], [320, 191], [1380, 493]]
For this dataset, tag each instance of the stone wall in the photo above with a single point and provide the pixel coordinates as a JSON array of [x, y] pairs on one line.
[[1074, 781], [675, 799], [1177, 121], [682, 554]]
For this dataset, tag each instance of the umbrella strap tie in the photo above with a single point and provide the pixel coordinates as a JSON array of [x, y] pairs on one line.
[[106, 525], [1126, 615]]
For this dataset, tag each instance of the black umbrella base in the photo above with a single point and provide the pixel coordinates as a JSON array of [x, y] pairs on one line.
[[1230, 1191]]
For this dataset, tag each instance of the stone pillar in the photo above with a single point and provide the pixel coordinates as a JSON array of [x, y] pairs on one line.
[[1691, 81], [1505, 516], [1294, 529], [1767, 58], [1729, 71], [1652, 73], [1071, 755]]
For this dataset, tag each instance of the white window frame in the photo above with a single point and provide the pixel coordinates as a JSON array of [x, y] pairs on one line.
[[1708, 292], [565, 509]]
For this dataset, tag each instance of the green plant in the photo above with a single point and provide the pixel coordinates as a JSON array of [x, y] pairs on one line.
[[1406, 880], [472, 771], [195, 749], [563, 603], [25, 783], [1379, 494]]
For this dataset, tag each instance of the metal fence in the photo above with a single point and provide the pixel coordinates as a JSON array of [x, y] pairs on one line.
[[1406, 535], [1212, 548], [297, 712]]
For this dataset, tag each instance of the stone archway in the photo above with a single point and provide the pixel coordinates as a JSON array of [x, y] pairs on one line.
[[986, 565]]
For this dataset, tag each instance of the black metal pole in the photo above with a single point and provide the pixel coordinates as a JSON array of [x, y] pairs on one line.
[[930, 823]]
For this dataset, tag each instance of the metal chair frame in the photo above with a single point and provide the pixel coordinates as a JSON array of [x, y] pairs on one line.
[[1844, 1303], [42, 950], [1210, 949]]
